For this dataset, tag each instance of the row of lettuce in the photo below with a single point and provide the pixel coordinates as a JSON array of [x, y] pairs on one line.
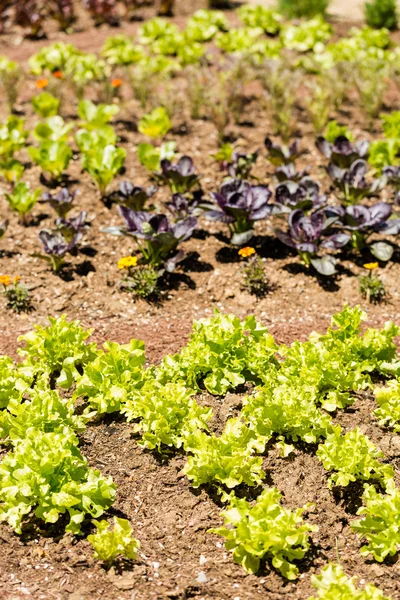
[[63, 383]]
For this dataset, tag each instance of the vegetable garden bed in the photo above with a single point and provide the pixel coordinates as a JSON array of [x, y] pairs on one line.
[[169, 501]]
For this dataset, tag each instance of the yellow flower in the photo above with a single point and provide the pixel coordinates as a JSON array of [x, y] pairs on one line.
[[371, 266], [127, 261], [5, 280], [16, 279], [246, 252]]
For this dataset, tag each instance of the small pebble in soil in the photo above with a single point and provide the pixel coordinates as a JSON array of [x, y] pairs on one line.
[[202, 577]]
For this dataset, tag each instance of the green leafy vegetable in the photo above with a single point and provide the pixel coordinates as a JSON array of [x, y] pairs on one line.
[[332, 583], [353, 456], [109, 380], [156, 124], [94, 116], [58, 349], [45, 105], [268, 530], [223, 353], [52, 157], [108, 545], [380, 525], [22, 199], [388, 399], [227, 459], [167, 414], [103, 164], [47, 474]]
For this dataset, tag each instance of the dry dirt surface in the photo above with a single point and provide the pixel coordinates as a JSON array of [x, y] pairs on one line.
[[178, 558]]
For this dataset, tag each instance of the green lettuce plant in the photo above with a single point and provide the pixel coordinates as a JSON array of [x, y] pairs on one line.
[[11, 170], [223, 352], [51, 58], [103, 164], [353, 457], [22, 200], [167, 414], [227, 459], [260, 16], [46, 475], [88, 141], [120, 50], [388, 400], [156, 124], [380, 524], [332, 583], [96, 116], [13, 382], [110, 544], [205, 24], [40, 408], [58, 350], [112, 377], [151, 156], [53, 129], [13, 136], [303, 8], [266, 530], [45, 105], [52, 157]]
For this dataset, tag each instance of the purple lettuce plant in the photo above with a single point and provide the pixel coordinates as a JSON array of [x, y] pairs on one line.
[[342, 153], [304, 195], [29, 14], [351, 183], [102, 11], [282, 155], [306, 235], [241, 164], [63, 11], [133, 196], [61, 203], [69, 228], [240, 205], [393, 176], [181, 207], [157, 237], [181, 177], [362, 222], [56, 247], [289, 173]]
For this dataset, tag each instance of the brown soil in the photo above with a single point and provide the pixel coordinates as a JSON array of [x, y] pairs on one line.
[[171, 519]]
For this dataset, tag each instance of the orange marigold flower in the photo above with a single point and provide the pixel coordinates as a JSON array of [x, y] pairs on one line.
[[5, 280], [371, 266], [16, 279], [58, 74], [116, 83], [42, 83], [127, 261], [246, 252]]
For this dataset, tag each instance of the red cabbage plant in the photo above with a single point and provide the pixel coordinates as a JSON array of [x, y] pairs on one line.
[[351, 184], [240, 205], [306, 234], [157, 238], [342, 152], [304, 195], [362, 222]]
